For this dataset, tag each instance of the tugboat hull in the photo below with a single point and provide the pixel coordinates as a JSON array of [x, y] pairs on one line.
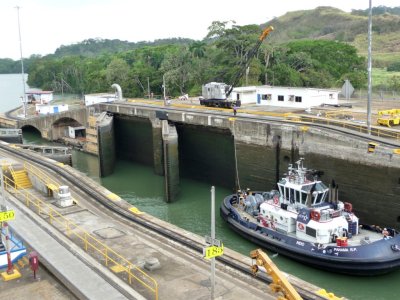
[[376, 258]]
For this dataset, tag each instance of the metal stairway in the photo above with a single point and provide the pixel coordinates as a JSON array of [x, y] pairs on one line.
[[20, 178]]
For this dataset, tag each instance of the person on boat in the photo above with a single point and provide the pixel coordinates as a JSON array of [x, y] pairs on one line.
[[386, 234]]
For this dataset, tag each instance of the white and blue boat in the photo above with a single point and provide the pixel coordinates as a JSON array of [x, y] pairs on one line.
[[305, 221]]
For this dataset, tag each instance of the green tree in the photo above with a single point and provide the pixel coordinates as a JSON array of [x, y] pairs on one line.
[[197, 49], [394, 83], [176, 68], [117, 71]]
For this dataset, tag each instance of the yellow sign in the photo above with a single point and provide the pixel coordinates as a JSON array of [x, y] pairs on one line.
[[213, 251], [7, 215]]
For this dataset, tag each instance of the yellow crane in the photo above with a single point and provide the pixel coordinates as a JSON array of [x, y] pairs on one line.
[[279, 281]]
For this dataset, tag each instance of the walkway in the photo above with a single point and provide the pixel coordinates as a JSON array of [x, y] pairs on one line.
[[78, 273]]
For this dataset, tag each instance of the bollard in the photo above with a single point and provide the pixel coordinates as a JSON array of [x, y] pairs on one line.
[[34, 262]]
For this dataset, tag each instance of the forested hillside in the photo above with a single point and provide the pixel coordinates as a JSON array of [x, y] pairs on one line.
[[333, 24], [92, 47], [315, 48]]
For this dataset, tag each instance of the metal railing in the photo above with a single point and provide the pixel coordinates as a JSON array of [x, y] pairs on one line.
[[110, 258], [42, 176], [385, 133]]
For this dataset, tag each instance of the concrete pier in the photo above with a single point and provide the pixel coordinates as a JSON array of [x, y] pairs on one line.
[[75, 269], [106, 144], [171, 161], [183, 272], [157, 147]]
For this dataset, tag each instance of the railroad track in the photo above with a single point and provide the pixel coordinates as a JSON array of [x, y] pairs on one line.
[[141, 221]]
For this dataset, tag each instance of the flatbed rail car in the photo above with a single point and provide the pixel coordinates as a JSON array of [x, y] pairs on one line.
[[389, 117]]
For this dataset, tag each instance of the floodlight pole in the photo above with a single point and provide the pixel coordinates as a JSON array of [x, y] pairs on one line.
[[165, 98], [212, 239], [369, 67], [22, 64]]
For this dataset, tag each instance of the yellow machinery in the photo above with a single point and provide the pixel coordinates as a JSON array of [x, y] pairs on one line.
[[279, 281], [389, 117]]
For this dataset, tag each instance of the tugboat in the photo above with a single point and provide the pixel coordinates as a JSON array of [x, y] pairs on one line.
[[305, 221]]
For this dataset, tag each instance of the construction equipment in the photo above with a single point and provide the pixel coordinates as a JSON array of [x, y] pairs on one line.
[[279, 281], [389, 117], [217, 93]]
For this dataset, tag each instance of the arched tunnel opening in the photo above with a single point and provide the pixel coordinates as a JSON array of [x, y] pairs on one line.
[[67, 128], [31, 135]]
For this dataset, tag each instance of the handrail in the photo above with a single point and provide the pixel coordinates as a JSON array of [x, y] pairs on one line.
[[360, 128], [89, 241], [40, 174], [12, 237]]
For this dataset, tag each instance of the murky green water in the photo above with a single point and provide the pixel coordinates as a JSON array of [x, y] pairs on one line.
[[137, 184]]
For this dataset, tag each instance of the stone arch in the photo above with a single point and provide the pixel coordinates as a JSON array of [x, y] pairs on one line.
[[59, 127], [32, 129]]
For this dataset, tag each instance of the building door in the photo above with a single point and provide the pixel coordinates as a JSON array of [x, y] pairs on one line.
[[258, 99]]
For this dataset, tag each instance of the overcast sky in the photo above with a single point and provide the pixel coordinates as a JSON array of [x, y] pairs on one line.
[[47, 24]]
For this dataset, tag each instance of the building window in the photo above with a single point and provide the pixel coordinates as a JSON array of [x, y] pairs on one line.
[[266, 97], [291, 97], [298, 98], [281, 98], [330, 96]]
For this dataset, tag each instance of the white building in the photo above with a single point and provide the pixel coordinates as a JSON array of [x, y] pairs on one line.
[[39, 97], [100, 98], [295, 97], [46, 109]]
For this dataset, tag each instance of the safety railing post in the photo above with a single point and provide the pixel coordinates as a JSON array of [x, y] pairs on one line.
[[67, 227], [26, 195], [106, 256], [85, 242], [88, 240]]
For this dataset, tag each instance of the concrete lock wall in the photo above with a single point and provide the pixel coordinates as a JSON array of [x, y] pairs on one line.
[[211, 146], [371, 181], [106, 144]]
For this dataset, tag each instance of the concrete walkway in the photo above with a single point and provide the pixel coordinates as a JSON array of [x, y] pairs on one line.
[[79, 274]]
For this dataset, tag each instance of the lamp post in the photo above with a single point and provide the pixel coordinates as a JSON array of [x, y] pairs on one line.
[[22, 64], [165, 98], [212, 279], [369, 67]]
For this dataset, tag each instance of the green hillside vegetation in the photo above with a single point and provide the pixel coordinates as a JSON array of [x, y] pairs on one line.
[[313, 63], [313, 48], [378, 10], [93, 47], [381, 78], [333, 24]]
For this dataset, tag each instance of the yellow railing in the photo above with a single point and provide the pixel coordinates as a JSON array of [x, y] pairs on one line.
[[42, 176], [88, 242], [356, 127]]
